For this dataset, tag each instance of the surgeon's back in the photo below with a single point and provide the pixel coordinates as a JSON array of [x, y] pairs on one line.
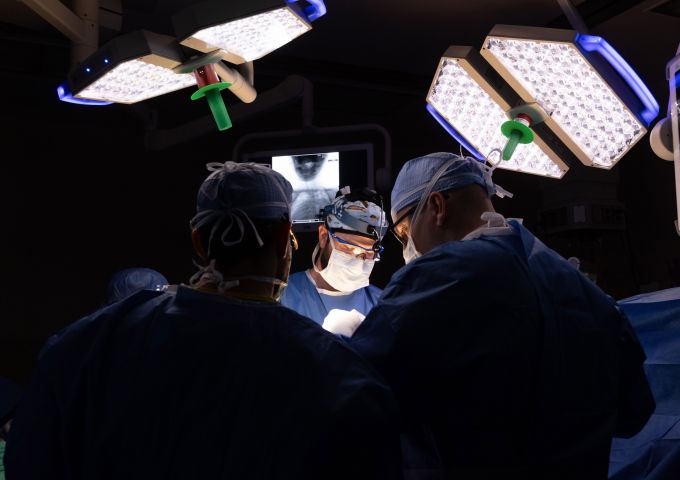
[[195, 385], [506, 362]]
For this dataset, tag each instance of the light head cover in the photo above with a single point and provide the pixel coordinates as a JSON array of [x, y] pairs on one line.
[[359, 213]]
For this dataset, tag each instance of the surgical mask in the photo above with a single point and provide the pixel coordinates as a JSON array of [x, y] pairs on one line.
[[410, 252], [344, 272]]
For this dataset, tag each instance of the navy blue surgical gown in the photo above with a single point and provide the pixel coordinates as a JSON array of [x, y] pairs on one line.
[[302, 296], [200, 386], [506, 362], [654, 453]]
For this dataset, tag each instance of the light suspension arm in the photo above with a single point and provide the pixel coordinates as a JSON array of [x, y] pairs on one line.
[[81, 26]]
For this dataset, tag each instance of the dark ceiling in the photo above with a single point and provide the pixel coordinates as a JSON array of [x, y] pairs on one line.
[[409, 36]]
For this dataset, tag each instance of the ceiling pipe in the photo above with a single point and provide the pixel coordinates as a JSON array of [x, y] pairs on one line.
[[240, 86]]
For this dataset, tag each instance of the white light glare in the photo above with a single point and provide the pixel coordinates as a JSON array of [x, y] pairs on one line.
[[134, 81], [561, 81], [471, 111], [255, 36]]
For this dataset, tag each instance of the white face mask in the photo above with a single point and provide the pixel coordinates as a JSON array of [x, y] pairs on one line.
[[410, 252], [344, 272]]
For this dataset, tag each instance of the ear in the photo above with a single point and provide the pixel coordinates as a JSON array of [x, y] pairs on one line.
[[282, 240], [323, 237], [439, 208], [198, 245]]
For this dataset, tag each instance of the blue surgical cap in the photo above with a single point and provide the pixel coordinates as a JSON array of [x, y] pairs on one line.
[[126, 282], [255, 189], [234, 194], [416, 174]]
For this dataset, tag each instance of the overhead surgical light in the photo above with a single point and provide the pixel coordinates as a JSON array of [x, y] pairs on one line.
[[245, 30], [128, 69], [65, 95], [596, 103], [464, 101]]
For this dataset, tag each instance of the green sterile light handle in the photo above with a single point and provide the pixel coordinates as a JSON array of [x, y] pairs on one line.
[[218, 109], [212, 95], [517, 132], [510, 147]]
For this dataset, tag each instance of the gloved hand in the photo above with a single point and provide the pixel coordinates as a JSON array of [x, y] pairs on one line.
[[342, 322]]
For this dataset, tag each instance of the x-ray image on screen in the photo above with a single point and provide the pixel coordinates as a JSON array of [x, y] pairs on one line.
[[315, 179]]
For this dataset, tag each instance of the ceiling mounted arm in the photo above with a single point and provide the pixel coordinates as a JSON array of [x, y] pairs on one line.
[[81, 25]]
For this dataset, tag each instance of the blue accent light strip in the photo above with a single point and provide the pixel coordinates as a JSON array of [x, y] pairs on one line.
[[314, 10], [594, 43], [454, 133], [65, 95]]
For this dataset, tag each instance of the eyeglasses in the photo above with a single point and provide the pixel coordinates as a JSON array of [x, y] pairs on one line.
[[400, 230], [372, 253], [293, 240]]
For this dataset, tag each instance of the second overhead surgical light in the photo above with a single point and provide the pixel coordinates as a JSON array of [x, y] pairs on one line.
[[245, 31], [461, 99], [596, 103], [591, 102]]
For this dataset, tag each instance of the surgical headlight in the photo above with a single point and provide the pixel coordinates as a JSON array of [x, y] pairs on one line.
[[357, 213]]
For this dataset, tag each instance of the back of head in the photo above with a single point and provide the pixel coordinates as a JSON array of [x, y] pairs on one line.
[[237, 208], [126, 282], [449, 171]]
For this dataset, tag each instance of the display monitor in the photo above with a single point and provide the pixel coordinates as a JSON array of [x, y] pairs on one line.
[[315, 178], [316, 174]]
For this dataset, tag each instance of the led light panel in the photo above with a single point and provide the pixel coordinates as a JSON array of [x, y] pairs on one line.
[[252, 37], [134, 81], [584, 110], [463, 99], [128, 69]]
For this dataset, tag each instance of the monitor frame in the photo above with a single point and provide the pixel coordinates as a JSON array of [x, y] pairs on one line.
[[259, 155]]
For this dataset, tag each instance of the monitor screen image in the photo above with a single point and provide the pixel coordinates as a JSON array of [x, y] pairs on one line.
[[315, 179], [316, 173]]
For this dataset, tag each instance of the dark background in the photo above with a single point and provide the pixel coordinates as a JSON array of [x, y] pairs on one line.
[[87, 191]]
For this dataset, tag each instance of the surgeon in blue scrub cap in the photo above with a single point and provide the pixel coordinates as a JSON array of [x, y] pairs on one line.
[[506, 360], [213, 380], [336, 292]]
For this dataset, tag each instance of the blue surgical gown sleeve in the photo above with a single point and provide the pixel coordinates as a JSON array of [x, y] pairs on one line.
[[434, 332]]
